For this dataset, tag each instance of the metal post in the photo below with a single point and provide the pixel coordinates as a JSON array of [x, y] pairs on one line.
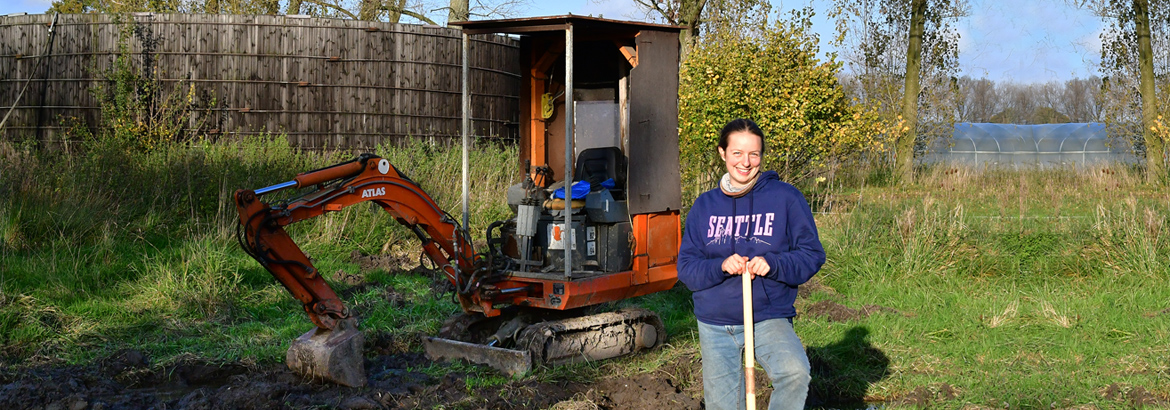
[[466, 133], [568, 231]]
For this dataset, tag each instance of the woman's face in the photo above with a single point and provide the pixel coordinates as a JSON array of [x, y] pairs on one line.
[[742, 156]]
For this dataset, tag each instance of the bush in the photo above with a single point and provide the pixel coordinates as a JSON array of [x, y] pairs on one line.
[[776, 80]]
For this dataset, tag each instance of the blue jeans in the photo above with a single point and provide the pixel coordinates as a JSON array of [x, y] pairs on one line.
[[778, 350]]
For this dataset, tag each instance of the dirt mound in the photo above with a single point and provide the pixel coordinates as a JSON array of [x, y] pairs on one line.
[[673, 386], [925, 396], [836, 312], [1133, 396], [387, 262], [814, 285]]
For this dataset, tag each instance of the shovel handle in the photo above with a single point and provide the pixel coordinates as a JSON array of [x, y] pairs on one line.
[[749, 343]]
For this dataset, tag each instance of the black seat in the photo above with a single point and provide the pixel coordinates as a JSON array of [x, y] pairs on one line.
[[599, 164]]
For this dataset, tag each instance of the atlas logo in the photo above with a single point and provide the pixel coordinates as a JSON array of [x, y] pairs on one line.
[[366, 193]]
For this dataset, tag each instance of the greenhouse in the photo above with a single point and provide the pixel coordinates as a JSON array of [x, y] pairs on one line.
[[1029, 145]]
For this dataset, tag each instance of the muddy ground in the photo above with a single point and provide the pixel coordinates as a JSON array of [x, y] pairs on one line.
[[128, 380]]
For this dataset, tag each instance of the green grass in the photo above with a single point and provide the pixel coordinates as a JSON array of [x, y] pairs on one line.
[[1037, 289], [117, 248], [1031, 289]]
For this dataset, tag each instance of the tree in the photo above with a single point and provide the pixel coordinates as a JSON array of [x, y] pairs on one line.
[[977, 100], [700, 16], [463, 10], [460, 10], [426, 11], [904, 144], [1079, 99], [777, 80], [904, 55], [1134, 57]]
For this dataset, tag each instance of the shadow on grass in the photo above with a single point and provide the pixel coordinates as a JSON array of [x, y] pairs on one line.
[[843, 371]]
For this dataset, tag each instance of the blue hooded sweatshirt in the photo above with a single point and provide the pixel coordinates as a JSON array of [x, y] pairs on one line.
[[774, 221]]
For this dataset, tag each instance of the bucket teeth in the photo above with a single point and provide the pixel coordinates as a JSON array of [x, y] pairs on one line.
[[330, 355]]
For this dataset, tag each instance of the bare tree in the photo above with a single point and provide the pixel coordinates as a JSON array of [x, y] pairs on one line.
[[1079, 99], [905, 55], [698, 17], [977, 100], [1135, 59]]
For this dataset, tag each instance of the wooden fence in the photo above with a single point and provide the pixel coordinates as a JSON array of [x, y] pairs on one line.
[[323, 82]]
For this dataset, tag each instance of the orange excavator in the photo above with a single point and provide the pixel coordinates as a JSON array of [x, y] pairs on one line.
[[611, 234]]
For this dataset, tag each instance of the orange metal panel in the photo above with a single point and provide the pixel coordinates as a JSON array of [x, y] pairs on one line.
[[665, 235], [640, 258], [590, 291]]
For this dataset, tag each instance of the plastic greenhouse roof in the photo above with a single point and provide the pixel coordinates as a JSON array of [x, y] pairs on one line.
[[1016, 144]]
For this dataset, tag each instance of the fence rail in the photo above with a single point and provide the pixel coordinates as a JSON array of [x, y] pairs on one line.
[[323, 82]]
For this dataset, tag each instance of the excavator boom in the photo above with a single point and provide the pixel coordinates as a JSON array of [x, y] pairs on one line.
[[333, 350]]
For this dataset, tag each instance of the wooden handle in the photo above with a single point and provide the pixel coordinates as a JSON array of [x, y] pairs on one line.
[[749, 343]]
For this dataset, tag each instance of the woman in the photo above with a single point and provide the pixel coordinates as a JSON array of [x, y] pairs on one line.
[[752, 224]]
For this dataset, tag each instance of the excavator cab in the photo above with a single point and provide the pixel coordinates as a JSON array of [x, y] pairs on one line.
[[596, 214]]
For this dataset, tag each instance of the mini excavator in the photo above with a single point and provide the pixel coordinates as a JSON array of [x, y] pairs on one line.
[[530, 297]]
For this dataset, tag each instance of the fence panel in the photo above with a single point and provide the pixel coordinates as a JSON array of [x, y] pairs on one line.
[[323, 82]]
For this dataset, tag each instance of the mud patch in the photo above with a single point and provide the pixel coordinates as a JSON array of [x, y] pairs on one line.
[[123, 382], [836, 312], [923, 396], [1156, 314], [814, 285], [396, 262], [348, 278], [1133, 396], [452, 392], [674, 386]]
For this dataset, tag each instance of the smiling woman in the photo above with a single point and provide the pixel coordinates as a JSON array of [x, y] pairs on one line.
[[739, 247]]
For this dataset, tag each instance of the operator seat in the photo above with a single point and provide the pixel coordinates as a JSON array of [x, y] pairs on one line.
[[599, 164]]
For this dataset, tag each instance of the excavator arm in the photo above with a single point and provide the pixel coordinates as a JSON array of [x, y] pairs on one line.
[[367, 178], [485, 284], [333, 350]]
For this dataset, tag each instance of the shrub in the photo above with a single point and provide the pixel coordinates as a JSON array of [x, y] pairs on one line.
[[776, 80]]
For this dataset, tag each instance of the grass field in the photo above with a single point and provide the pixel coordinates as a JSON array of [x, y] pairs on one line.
[[987, 287]]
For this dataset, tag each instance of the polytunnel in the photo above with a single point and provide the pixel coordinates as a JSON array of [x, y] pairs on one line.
[[1029, 145]]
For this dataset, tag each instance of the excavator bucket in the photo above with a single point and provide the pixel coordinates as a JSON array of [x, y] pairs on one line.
[[507, 361], [330, 355]]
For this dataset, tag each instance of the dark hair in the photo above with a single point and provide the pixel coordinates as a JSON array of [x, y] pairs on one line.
[[737, 125]]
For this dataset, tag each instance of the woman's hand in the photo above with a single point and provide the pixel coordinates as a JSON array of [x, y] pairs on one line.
[[739, 265], [758, 266], [735, 264]]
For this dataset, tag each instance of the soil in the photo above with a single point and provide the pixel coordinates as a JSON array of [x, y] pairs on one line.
[[836, 312], [127, 381], [1134, 396]]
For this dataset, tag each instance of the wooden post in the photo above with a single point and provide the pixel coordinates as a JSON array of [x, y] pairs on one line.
[[749, 342]]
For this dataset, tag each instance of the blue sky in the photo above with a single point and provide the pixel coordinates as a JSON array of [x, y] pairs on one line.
[[1004, 40]]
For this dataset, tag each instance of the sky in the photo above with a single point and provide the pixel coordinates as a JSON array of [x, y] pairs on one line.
[[1022, 41]]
